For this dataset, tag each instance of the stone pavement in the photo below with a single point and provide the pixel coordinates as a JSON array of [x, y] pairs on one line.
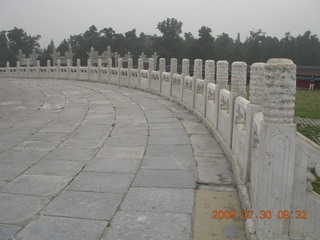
[[82, 160]]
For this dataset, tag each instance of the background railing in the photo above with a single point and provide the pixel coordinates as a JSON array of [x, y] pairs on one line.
[[273, 165]]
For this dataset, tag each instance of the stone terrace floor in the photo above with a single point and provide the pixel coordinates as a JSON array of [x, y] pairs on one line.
[[82, 160]]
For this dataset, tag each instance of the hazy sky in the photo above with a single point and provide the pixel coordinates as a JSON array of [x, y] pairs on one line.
[[58, 19]]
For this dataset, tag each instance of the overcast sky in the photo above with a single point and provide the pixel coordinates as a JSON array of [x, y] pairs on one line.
[[58, 19]]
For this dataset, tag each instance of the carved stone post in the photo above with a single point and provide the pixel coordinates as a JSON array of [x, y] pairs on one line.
[[173, 70], [140, 67], [18, 68], [109, 69], [130, 66], [120, 63], [99, 69], [68, 68], [274, 164], [130, 63], [151, 64], [238, 88], [151, 68], [222, 74], [8, 69], [257, 83], [28, 68], [185, 72], [140, 63], [38, 69], [162, 68], [58, 68], [238, 78], [48, 68], [209, 70], [89, 64], [197, 69], [78, 68], [222, 83]]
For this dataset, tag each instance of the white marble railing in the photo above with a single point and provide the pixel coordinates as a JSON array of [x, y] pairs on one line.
[[271, 162]]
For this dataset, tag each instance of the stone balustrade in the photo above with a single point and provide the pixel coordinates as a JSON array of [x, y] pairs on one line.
[[271, 162]]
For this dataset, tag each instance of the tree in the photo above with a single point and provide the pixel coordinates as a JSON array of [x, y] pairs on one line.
[[170, 28], [19, 39], [170, 45], [224, 46], [132, 42], [189, 50], [5, 53], [308, 49], [252, 46], [63, 46], [45, 55], [237, 51], [205, 44], [258, 47]]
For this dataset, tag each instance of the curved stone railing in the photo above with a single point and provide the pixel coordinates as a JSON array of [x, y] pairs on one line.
[[271, 162]]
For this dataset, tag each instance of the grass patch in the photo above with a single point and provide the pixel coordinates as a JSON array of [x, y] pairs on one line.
[[310, 132], [316, 184], [307, 104]]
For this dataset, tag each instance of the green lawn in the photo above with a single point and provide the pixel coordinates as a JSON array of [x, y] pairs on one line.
[[308, 106]]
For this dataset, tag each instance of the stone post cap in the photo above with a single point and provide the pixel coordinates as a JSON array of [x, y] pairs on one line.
[[130, 62], [185, 66], [162, 64], [280, 62], [151, 64], [238, 77], [280, 89], [209, 70], [222, 72], [257, 83], [197, 68], [173, 65]]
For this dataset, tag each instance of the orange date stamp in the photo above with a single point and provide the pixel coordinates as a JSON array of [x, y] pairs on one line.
[[249, 214]]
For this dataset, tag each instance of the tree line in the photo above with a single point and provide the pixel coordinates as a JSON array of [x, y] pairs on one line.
[[257, 47]]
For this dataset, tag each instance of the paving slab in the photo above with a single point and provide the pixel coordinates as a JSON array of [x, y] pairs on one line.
[[102, 182], [159, 200], [169, 150], [214, 170], [25, 156], [39, 185], [48, 228], [9, 171], [87, 205], [48, 136], [84, 160], [38, 145], [165, 178], [127, 141], [205, 145], [168, 162], [76, 154], [149, 225], [205, 227], [113, 165], [8, 231], [18, 209], [91, 143], [121, 152], [56, 167]]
